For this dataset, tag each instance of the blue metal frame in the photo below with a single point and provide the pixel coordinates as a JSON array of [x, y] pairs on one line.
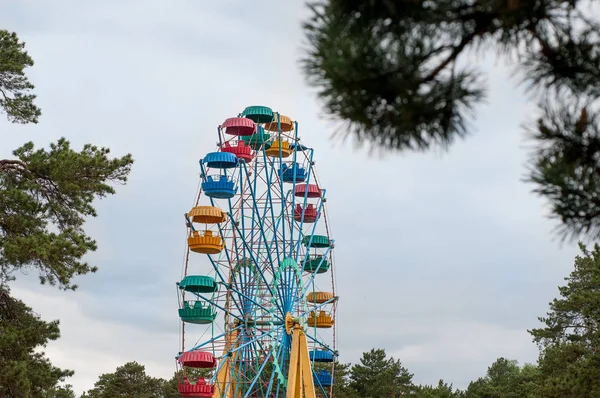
[[250, 226]]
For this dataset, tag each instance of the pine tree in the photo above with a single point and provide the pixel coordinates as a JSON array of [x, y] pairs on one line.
[[380, 377], [442, 390], [570, 337], [505, 379], [41, 190], [44, 199], [392, 70], [61, 392], [128, 381], [25, 372], [16, 98], [341, 380], [45, 196]]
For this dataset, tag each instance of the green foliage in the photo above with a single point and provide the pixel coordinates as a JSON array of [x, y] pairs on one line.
[[128, 381], [25, 372], [569, 370], [341, 380], [15, 98], [378, 376], [392, 71], [169, 389], [370, 73], [61, 392], [565, 167], [442, 390], [575, 316], [505, 379], [569, 361], [42, 191], [44, 199]]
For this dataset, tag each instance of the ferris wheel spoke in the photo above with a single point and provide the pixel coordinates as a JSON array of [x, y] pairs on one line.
[[241, 279], [213, 302], [277, 240], [292, 281], [259, 220], [305, 198], [283, 202], [289, 203], [279, 349], [314, 273], [258, 268], [258, 374], [304, 203], [252, 189], [322, 200], [216, 268], [318, 382], [288, 275], [271, 380], [223, 280], [293, 190], [235, 238], [225, 361], [257, 338], [333, 300], [270, 200], [291, 287], [212, 202], [256, 303], [321, 344], [241, 206], [213, 339]]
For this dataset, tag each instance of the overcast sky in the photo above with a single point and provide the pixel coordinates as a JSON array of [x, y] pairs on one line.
[[443, 259]]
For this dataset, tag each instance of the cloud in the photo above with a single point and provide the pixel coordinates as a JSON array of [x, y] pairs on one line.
[[454, 351], [93, 345]]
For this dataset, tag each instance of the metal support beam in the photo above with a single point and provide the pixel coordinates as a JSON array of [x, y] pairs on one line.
[[300, 376]]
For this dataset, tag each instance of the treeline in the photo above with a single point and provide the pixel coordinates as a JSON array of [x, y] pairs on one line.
[[375, 376], [568, 365]]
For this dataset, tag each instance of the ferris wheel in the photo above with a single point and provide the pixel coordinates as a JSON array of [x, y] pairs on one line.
[[257, 298]]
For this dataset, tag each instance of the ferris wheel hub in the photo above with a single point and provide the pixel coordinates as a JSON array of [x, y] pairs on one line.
[[289, 323]]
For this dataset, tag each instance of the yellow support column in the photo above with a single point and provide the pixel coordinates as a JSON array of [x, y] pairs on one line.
[[223, 390], [300, 377]]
